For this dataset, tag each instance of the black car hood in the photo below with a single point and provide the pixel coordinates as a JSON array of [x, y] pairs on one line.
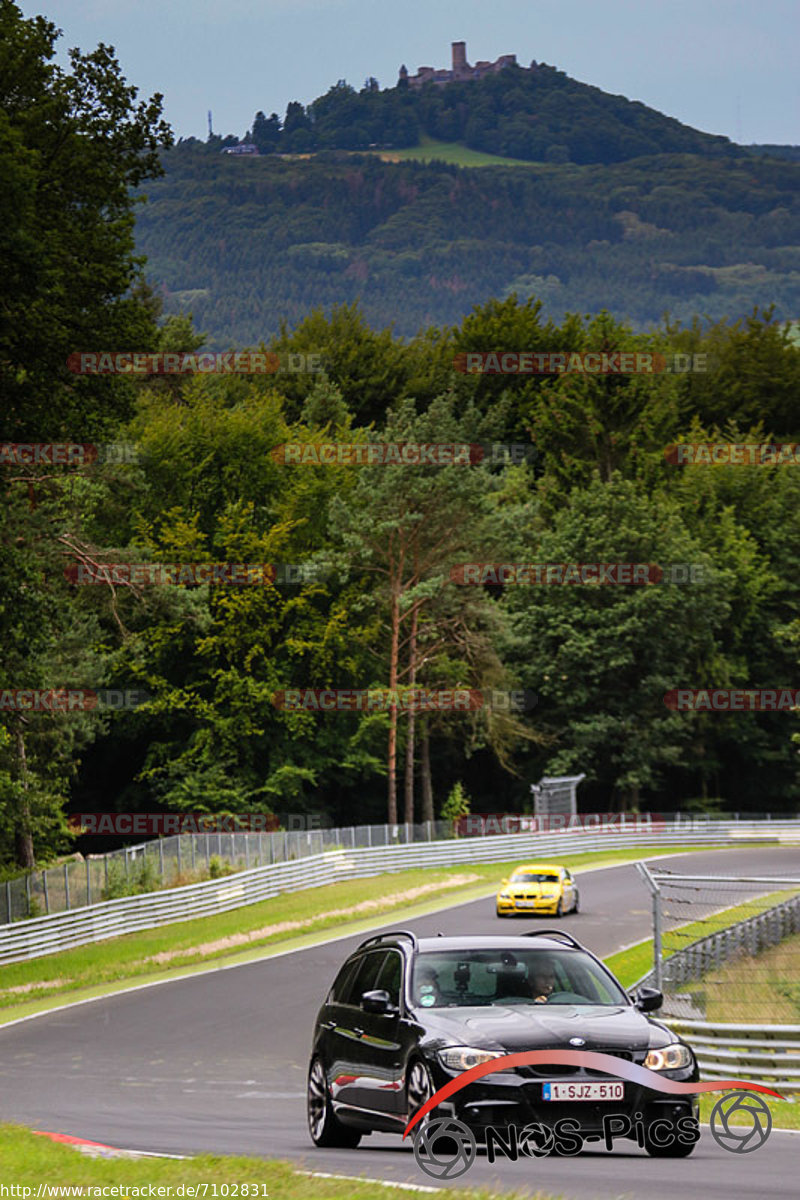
[[530, 1026]]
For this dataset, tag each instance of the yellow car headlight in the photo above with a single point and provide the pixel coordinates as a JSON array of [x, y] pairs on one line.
[[669, 1058], [504, 896], [461, 1058]]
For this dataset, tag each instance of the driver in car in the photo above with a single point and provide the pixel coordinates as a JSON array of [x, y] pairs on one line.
[[543, 982]]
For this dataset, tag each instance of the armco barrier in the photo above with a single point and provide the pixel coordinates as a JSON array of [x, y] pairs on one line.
[[756, 1052], [96, 922]]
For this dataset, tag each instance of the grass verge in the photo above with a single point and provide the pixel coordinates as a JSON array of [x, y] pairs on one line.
[[287, 921], [29, 1160]]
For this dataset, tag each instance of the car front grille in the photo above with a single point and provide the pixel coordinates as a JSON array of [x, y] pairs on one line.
[[556, 1071]]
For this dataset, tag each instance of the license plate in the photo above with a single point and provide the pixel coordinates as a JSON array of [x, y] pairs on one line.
[[525, 903], [583, 1091]]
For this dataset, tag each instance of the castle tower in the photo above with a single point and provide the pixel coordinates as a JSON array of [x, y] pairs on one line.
[[459, 60]]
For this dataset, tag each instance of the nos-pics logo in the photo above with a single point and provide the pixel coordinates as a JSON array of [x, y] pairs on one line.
[[445, 1148]]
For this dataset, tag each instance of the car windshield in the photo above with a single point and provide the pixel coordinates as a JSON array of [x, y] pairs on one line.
[[478, 978], [533, 877]]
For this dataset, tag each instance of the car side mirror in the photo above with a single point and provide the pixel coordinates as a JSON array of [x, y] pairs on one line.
[[379, 1002], [647, 999], [503, 882]]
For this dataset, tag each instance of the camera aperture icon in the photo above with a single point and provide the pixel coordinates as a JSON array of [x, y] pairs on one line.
[[740, 1122], [445, 1148]]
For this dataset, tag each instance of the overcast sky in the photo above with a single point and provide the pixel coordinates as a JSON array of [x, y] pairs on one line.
[[724, 66]]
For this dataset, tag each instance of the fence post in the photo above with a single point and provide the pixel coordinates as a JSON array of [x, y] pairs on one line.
[[66, 884], [46, 895], [88, 884], [28, 893], [161, 857], [179, 853]]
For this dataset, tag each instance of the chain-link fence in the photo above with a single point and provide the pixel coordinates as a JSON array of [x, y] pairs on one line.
[[726, 950], [186, 858]]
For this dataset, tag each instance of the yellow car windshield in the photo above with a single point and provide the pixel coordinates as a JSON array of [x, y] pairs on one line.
[[534, 877]]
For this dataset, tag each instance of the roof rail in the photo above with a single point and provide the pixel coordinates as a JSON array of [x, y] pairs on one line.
[[384, 937], [554, 933]]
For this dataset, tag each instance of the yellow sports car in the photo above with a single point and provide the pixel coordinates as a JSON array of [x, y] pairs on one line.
[[538, 888]]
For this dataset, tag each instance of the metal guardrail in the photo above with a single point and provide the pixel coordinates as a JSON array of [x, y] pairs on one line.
[[770, 1053], [166, 861], [750, 936], [93, 923]]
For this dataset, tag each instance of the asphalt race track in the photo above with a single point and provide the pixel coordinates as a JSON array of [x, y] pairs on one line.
[[218, 1063]]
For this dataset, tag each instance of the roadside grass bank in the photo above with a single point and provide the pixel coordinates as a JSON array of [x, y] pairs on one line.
[[772, 976], [33, 1161], [288, 921]]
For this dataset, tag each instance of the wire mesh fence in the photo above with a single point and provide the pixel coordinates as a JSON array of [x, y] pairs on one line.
[[727, 950], [186, 858]]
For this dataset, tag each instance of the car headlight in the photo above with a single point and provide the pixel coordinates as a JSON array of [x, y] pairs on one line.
[[504, 896], [669, 1058], [461, 1058]]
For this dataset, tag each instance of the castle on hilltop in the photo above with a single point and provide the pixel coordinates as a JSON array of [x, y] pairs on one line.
[[461, 70]]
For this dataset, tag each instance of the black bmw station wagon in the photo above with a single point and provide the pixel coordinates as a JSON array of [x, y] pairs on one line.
[[406, 1015]]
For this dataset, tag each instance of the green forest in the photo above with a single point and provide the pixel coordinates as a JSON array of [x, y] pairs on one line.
[[245, 243], [376, 604]]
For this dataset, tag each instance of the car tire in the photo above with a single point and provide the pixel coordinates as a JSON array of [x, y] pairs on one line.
[[676, 1150], [419, 1088], [576, 908], [500, 914], [323, 1126], [560, 909]]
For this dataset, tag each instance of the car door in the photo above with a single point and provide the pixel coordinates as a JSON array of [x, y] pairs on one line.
[[381, 1050], [345, 1029]]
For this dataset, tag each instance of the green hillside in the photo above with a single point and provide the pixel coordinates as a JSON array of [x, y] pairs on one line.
[[245, 243], [537, 114]]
